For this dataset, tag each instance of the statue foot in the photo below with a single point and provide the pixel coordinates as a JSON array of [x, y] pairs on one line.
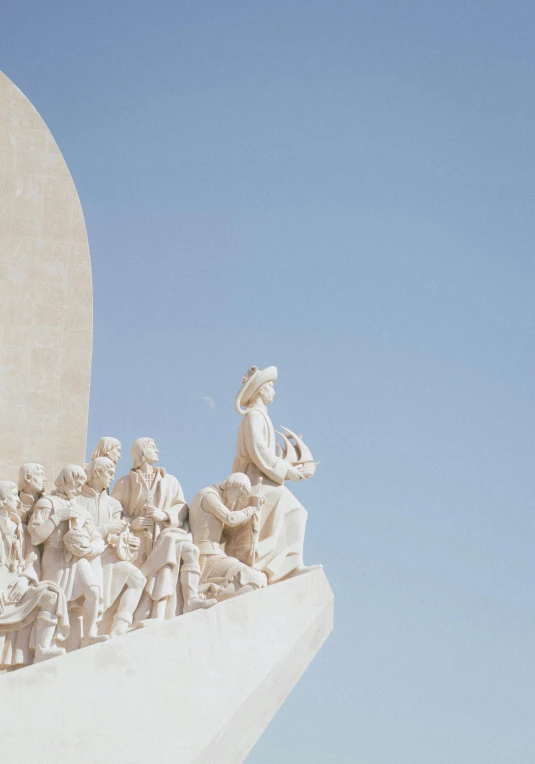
[[300, 569], [119, 629], [94, 639], [51, 652], [198, 604], [145, 623]]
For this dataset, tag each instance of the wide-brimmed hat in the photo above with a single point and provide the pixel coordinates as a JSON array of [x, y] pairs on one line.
[[251, 383]]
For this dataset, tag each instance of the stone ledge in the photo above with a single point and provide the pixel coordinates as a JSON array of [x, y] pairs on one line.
[[197, 689]]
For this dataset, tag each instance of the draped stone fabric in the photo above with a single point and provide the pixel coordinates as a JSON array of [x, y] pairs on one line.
[[283, 518]]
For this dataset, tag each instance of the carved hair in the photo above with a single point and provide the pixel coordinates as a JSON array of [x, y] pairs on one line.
[[137, 450], [27, 471], [104, 446], [97, 466], [236, 480], [6, 487], [69, 472]]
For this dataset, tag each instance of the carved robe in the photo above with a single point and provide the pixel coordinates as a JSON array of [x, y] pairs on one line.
[[133, 493], [159, 556], [17, 619], [112, 572], [25, 512], [282, 519], [73, 574]]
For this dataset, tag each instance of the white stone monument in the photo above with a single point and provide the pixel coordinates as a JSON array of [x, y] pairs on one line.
[[175, 666], [46, 305]]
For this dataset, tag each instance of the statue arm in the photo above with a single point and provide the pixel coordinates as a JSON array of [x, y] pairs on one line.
[[212, 504], [32, 567], [177, 511], [264, 458], [98, 545], [121, 492], [116, 516], [42, 523], [117, 511]]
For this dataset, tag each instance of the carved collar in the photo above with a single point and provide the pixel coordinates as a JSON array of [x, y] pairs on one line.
[[88, 491], [27, 499], [138, 473]]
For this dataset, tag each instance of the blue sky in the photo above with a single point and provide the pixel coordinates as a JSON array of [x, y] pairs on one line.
[[345, 190]]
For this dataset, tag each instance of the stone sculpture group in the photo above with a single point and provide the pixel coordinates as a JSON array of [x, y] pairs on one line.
[[79, 565]]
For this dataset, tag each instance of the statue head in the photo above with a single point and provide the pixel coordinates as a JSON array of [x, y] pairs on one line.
[[110, 447], [32, 478], [70, 480], [266, 393], [256, 384], [9, 497], [100, 473], [235, 488], [143, 450]]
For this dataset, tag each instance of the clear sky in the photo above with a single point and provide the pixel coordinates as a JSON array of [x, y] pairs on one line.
[[345, 190]]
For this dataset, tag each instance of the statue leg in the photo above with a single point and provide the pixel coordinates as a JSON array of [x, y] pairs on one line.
[[159, 608], [241, 579], [74, 640], [190, 574], [143, 610], [46, 625], [129, 601], [90, 616]]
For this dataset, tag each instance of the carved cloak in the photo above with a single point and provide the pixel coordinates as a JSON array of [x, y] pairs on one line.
[[282, 519]]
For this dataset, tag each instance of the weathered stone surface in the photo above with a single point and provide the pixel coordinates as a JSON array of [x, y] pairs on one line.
[[46, 318], [197, 689]]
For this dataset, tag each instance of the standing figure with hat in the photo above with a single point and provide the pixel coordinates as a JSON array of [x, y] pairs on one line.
[[282, 519]]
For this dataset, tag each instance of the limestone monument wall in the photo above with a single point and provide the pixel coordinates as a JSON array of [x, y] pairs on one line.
[[46, 296]]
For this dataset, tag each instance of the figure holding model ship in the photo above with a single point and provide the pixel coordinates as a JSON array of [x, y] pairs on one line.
[[281, 519]]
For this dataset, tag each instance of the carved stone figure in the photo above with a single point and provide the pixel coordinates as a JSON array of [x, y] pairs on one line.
[[122, 583], [211, 511], [154, 503], [282, 519], [32, 483], [110, 447], [70, 541], [33, 613]]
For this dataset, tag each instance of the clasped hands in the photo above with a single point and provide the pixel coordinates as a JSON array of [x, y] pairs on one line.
[[69, 512], [152, 515], [114, 529]]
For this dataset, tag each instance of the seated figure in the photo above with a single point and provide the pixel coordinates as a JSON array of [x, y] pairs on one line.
[[216, 509], [70, 540], [33, 613], [153, 502], [122, 583]]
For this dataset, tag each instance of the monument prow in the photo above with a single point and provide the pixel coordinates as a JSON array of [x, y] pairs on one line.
[[197, 689]]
